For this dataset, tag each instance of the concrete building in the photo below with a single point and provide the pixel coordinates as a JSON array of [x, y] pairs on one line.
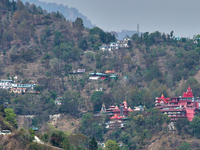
[[186, 106]]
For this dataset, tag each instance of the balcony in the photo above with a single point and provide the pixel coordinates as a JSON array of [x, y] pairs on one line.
[[177, 116]]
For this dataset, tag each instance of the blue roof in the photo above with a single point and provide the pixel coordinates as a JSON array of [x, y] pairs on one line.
[[176, 37], [5, 80], [25, 85], [35, 128]]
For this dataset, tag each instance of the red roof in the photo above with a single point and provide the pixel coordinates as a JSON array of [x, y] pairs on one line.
[[188, 93], [116, 117], [166, 100]]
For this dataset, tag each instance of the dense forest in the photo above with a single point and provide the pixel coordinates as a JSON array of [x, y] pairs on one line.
[[44, 48]]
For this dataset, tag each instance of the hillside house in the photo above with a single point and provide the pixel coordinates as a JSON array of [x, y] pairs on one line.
[[102, 76], [110, 71], [114, 45], [57, 102], [80, 70], [21, 88], [105, 48], [176, 38], [186, 106], [5, 84], [124, 43]]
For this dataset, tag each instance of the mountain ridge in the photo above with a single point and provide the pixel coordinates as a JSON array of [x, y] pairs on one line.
[[70, 13]]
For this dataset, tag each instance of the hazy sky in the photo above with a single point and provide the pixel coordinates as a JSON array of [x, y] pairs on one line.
[[181, 16]]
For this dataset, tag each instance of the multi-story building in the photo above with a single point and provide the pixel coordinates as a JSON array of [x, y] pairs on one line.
[[21, 88], [5, 84], [118, 115], [186, 106]]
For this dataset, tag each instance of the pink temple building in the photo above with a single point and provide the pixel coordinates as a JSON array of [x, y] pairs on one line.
[[117, 112], [118, 115], [186, 106]]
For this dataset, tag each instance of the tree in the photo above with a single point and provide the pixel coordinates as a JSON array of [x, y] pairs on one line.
[[195, 126], [16, 17], [57, 38], [32, 134], [82, 43], [185, 146], [38, 88], [78, 23], [59, 139], [86, 120], [146, 37], [153, 72], [75, 53], [2, 112], [11, 116], [53, 94], [4, 96], [191, 82], [171, 34], [129, 44], [90, 127], [95, 30], [70, 103], [93, 144], [182, 125], [139, 120], [96, 99], [77, 141], [135, 37], [112, 145], [92, 39], [156, 119], [67, 68]]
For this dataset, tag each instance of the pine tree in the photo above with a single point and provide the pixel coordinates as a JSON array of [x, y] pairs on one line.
[[93, 144]]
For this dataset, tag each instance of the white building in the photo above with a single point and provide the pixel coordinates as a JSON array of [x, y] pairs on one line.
[[105, 48], [5, 84], [124, 43]]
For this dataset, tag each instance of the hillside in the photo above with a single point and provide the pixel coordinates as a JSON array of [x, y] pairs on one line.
[[46, 50]]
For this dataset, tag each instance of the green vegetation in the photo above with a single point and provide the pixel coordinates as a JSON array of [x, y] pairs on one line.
[[47, 49], [112, 145]]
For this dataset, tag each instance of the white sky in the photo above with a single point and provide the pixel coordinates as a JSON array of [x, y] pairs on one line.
[[181, 16]]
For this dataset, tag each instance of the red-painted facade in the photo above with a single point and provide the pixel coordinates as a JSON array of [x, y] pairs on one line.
[[185, 106], [115, 112]]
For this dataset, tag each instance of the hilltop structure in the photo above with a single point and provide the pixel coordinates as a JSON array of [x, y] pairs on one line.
[[116, 45], [186, 106]]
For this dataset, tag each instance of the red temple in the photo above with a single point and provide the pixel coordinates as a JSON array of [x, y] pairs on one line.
[[118, 115], [117, 112], [186, 106]]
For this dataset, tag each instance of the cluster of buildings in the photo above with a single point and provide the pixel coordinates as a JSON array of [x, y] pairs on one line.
[[118, 115], [185, 106], [108, 74], [78, 71], [115, 45], [16, 88]]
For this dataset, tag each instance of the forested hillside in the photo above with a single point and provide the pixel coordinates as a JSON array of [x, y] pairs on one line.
[[44, 49]]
